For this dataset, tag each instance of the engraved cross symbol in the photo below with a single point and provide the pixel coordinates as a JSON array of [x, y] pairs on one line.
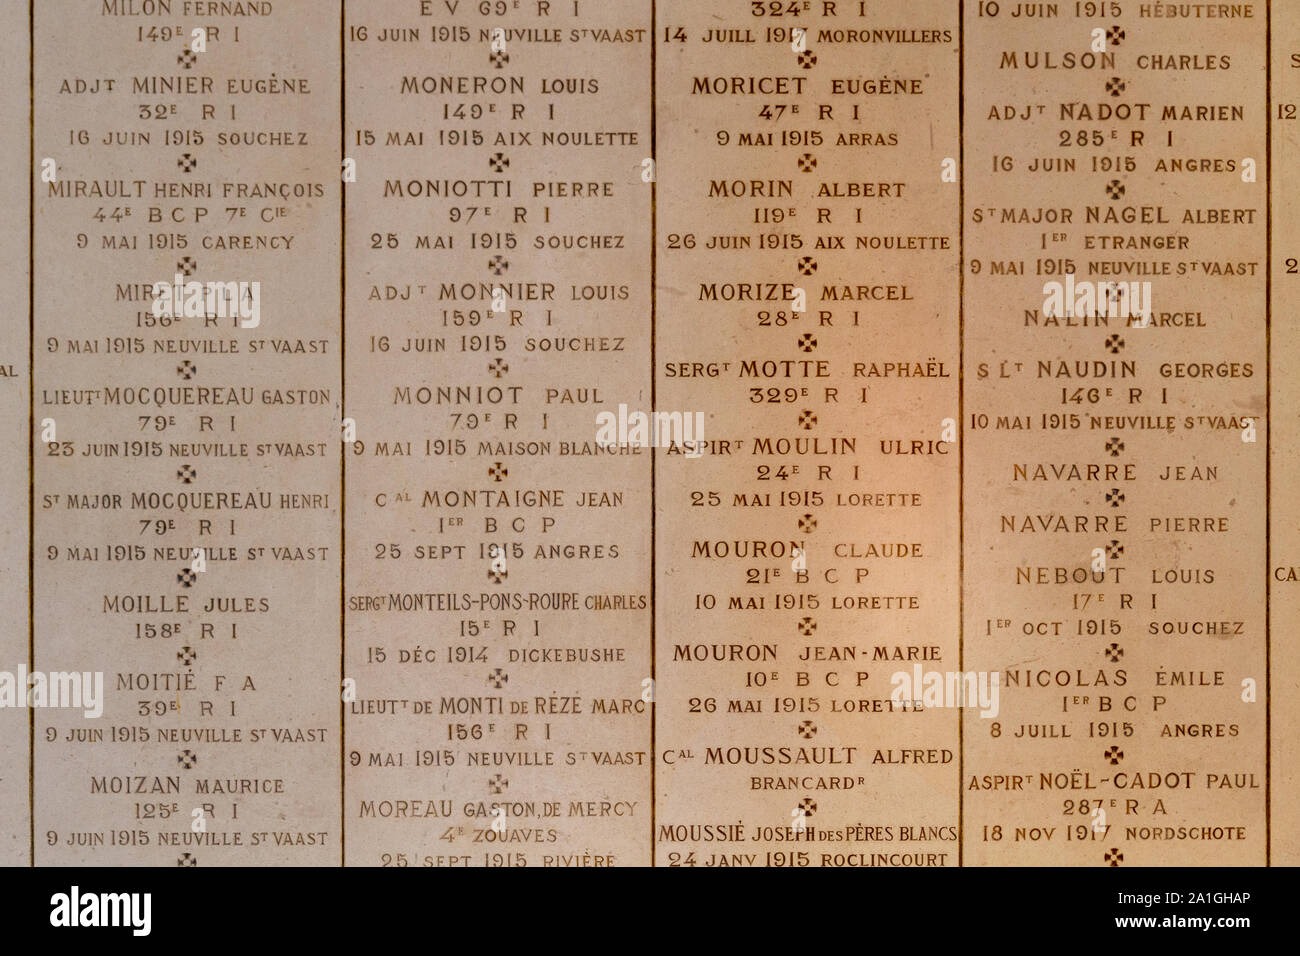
[[1115, 189], [187, 859], [186, 474], [498, 471], [807, 163], [1114, 86], [186, 578], [807, 59], [807, 730], [496, 577], [187, 759], [498, 784], [806, 626], [807, 524], [807, 419], [1115, 344], [498, 367], [808, 805], [1114, 550], [1114, 446], [499, 58], [499, 162], [498, 678], [187, 58], [187, 370], [1114, 755], [498, 265], [807, 265], [1114, 497], [187, 655], [1114, 652], [187, 162], [1115, 35], [187, 267], [1114, 857], [807, 342]]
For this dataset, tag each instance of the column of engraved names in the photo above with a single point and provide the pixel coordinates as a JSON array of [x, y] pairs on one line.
[[807, 315], [186, 476], [1115, 344], [497, 610]]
